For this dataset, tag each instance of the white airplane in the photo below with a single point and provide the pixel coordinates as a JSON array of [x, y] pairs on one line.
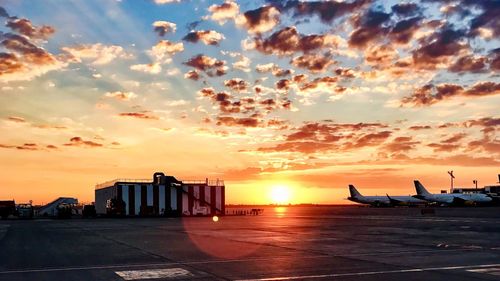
[[379, 201], [451, 198]]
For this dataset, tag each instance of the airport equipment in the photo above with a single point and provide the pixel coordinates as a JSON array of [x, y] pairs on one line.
[[162, 196], [64, 211], [51, 209], [7, 208], [89, 211], [25, 211]]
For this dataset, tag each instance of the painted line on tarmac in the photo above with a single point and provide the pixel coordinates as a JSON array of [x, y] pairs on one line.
[[371, 272], [154, 273], [491, 271], [118, 266], [153, 264]]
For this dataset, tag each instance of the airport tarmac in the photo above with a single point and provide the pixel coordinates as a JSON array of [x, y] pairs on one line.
[[285, 243]]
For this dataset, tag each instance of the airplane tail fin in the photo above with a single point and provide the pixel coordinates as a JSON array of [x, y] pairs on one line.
[[420, 188], [354, 192]]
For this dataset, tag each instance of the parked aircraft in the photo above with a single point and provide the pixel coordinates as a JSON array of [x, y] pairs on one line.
[[451, 198], [380, 201]]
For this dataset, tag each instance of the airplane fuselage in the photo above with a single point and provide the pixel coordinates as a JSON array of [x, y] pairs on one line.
[[386, 201], [454, 198]]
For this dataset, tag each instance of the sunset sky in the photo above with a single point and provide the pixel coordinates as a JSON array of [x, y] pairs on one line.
[[305, 97]]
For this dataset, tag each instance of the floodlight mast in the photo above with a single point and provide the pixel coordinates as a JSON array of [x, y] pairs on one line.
[[452, 177]]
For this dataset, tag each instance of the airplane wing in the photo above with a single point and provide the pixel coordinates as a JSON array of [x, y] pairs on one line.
[[394, 201], [461, 201]]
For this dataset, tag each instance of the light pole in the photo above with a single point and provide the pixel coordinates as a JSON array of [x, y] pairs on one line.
[[475, 182], [451, 180]]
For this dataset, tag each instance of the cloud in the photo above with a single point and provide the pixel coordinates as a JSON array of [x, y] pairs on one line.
[[146, 115], [260, 20], [437, 48], [406, 9], [369, 27], [3, 13], [23, 59], [486, 19], [98, 53], [209, 65], [208, 37], [242, 64], [164, 49], [29, 147], [164, 27], [326, 10], [420, 127], [151, 68], [288, 40], [162, 2], [16, 119], [495, 59], [78, 141], [469, 64], [283, 84], [371, 139], [26, 28], [236, 84], [380, 56], [404, 31], [321, 137], [345, 72], [430, 94], [226, 11], [488, 123], [119, 95], [325, 83], [401, 145], [443, 147], [237, 121], [313, 62], [192, 74]]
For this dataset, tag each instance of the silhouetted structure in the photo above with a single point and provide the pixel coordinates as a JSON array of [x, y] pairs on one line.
[[161, 196]]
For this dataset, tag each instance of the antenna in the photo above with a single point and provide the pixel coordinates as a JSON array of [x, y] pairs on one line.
[[451, 180]]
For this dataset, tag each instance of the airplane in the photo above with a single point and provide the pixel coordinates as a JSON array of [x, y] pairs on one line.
[[380, 201], [451, 198]]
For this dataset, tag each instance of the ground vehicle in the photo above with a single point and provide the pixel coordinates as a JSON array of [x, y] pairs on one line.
[[64, 211], [116, 207], [89, 211], [25, 211], [7, 208]]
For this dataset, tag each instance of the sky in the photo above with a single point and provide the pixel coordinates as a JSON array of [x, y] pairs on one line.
[[288, 97]]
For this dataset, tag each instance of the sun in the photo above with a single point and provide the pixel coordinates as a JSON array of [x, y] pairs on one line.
[[280, 194]]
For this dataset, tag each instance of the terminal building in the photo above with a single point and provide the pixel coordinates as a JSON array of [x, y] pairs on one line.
[[161, 196]]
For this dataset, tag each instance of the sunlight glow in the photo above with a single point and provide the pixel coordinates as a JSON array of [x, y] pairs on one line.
[[280, 194]]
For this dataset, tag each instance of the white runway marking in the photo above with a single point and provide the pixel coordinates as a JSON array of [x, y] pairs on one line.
[[371, 273], [491, 271], [118, 266], [154, 273]]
